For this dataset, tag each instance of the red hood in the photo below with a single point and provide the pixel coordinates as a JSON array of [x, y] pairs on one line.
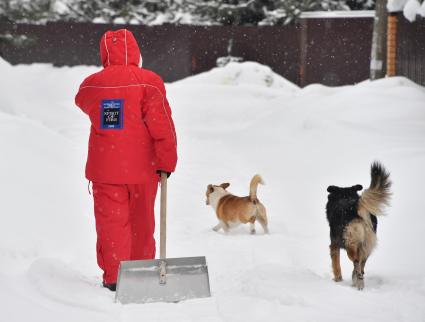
[[119, 48]]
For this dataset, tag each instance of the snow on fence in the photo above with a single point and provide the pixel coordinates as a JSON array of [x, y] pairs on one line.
[[411, 8]]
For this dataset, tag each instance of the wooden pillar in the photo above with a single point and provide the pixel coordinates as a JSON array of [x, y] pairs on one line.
[[303, 53], [377, 56], [392, 45]]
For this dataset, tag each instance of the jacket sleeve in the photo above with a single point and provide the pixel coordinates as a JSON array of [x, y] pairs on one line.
[[157, 117], [80, 97]]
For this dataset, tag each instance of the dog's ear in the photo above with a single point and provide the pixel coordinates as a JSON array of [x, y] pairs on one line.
[[225, 185], [357, 187], [332, 189], [210, 188]]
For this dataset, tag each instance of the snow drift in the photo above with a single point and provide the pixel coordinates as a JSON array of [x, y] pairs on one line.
[[232, 122]]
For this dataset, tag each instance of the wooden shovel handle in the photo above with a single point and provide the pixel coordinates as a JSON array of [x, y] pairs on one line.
[[163, 218]]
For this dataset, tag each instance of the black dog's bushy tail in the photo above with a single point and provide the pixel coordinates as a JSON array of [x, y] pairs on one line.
[[377, 196]]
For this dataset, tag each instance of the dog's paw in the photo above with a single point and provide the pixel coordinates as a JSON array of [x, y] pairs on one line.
[[337, 278], [354, 279], [216, 228], [360, 283], [253, 232]]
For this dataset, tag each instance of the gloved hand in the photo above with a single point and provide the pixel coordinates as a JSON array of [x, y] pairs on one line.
[[160, 171]]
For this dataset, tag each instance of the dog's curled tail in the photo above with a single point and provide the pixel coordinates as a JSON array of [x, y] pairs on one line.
[[377, 196], [253, 187]]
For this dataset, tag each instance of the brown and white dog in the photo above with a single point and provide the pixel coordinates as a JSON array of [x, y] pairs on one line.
[[232, 210]]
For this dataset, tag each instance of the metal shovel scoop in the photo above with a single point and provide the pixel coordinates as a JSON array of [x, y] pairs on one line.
[[164, 279]]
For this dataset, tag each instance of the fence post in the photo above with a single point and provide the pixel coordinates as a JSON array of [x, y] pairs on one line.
[[378, 41], [392, 45], [303, 52]]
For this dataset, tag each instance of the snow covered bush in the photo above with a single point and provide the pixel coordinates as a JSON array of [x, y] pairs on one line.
[[153, 12], [27, 10], [411, 8]]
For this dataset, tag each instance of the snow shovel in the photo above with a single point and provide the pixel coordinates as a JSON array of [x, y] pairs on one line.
[[163, 279]]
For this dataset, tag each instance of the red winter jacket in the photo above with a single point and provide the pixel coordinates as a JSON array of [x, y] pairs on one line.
[[132, 133]]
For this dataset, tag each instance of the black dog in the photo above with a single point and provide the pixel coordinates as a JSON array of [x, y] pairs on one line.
[[353, 223]]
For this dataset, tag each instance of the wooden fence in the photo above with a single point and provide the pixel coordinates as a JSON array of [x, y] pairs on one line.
[[328, 50], [410, 54]]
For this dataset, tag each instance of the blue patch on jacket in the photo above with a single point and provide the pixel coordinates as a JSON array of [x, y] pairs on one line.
[[112, 114]]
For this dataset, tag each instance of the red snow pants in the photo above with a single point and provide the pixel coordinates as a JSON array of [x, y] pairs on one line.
[[125, 224]]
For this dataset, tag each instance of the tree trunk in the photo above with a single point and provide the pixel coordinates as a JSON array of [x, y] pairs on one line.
[[379, 41]]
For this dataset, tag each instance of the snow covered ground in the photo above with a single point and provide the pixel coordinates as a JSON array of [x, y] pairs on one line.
[[232, 122]]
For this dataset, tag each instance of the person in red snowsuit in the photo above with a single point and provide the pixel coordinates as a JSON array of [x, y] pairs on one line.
[[132, 139]]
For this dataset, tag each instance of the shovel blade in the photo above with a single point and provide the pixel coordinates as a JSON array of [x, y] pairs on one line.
[[139, 281]]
